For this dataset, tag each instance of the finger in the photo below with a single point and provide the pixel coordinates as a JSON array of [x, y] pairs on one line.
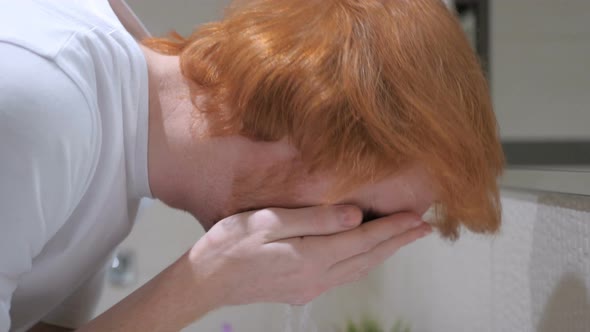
[[364, 238], [281, 224], [358, 266]]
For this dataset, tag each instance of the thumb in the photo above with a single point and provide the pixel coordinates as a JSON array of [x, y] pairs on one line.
[[320, 220]]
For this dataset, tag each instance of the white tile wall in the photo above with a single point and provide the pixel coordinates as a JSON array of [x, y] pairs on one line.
[[534, 276]]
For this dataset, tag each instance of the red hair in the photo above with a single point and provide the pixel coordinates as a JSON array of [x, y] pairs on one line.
[[362, 88]]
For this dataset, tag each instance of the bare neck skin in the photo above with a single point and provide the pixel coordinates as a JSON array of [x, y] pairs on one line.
[[187, 170]]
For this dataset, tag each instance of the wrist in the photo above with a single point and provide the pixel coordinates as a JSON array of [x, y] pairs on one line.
[[172, 300], [196, 293]]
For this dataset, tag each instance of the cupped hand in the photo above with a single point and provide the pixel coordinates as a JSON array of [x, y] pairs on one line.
[[292, 256]]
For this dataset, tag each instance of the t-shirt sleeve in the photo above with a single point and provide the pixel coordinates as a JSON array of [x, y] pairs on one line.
[[46, 131]]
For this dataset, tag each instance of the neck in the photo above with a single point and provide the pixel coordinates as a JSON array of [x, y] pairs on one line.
[[187, 169]]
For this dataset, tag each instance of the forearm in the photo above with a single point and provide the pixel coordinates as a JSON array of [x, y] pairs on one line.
[[166, 303]]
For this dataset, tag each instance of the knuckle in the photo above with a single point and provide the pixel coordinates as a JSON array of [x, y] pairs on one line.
[[267, 215], [234, 226], [297, 261], [264, 220], [302, 248]]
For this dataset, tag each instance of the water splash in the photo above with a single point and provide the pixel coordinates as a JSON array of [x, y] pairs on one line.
[[298, 319]]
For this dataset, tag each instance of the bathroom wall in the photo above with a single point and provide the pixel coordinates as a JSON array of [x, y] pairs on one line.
[[533, 276], [161, 17], [540, 68]]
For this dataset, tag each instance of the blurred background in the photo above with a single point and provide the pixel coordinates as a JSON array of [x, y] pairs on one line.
[[533, 276]]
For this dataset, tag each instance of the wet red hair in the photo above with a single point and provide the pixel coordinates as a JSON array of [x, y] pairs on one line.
[[362, 88]]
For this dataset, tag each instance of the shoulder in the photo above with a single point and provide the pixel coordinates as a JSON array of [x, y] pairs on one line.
[[38, 98], [48, 139]]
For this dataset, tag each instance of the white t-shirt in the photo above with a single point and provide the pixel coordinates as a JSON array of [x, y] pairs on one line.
[[73, 154]]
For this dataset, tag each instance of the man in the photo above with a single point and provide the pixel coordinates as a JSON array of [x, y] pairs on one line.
[[272, 127]]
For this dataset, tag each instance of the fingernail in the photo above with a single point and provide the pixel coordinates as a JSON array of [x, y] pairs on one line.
[[346, 215], [416, 223]]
